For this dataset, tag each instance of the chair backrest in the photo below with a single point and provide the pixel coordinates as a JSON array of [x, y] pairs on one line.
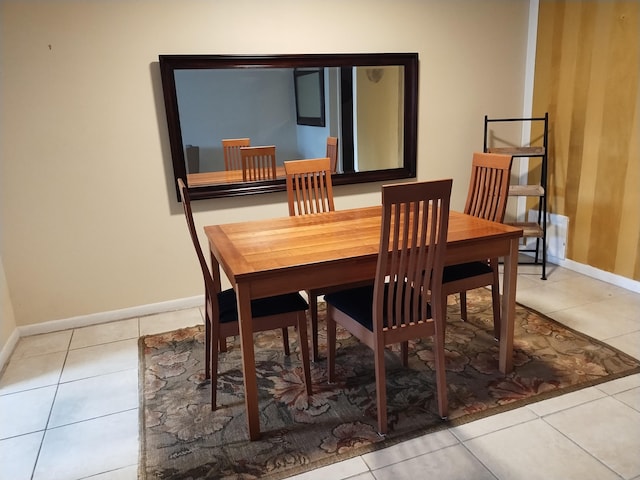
[[231, 152], [309, 187], [413, 239], [258, 163], [489, 186], [332, 152], [211, 284]]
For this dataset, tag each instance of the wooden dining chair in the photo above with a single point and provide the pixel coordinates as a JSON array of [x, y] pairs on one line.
[[332, 152], [309, 186], [310, 191], [396, 308], [258, 163], [487, 199], [221, 311], [231, 152]]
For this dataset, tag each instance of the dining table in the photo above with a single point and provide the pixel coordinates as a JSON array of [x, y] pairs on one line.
[[269, 257]]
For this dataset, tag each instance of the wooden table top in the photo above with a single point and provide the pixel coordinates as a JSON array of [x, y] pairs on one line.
[[248, 248]]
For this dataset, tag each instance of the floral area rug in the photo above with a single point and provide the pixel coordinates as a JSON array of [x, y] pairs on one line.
[[181, 438]]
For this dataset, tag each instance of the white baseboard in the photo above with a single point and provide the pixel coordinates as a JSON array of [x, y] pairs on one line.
[[95, 319], [589, 271], [111, 316]]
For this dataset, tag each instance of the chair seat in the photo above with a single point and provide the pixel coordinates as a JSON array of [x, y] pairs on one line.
[[261, 307], [453, 273], [357, 303]]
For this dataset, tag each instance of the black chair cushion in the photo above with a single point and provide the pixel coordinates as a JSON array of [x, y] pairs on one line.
[[358, 304], [464, 270], [261, 307]]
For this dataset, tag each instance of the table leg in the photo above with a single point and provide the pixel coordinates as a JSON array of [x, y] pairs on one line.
[[505, 363], [248, 361]]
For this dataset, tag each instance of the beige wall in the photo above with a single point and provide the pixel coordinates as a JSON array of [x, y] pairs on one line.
[[89, 217]]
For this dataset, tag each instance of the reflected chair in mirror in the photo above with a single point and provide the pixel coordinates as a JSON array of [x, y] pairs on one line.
[[310, 191], [231, 152], [221, 312], [258, 163], [332, 152], [487, 199], [396, 308]]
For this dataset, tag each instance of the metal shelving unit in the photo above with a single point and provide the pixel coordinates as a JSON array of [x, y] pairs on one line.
[[538, 229]]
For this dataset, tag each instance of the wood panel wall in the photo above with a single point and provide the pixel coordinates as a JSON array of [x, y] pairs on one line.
[[587, 78]]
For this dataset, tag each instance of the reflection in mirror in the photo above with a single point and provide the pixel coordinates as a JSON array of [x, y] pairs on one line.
[[294, 103], [309, 90]]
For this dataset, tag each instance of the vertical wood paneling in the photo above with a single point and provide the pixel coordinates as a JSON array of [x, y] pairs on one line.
[[587, 64]]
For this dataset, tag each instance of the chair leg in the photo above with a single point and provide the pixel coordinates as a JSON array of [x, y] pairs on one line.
[[304, 350], [404, 353], [313, 307], [495, 296], [331, 345], [463, 305], [285, 340], [438, 353], [213, 347], [381, 389], [207, 342], [441, 373], [222, 344]]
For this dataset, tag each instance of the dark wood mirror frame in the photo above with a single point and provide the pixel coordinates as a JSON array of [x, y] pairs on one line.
[[170, 63]]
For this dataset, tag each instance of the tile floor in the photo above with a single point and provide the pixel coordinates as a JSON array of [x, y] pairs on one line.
[[69, 405]]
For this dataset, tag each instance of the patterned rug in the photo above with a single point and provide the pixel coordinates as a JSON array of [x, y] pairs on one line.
[[181, 438]]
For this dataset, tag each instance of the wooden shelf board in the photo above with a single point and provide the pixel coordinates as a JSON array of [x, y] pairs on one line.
[[518, 151], [526, 191]]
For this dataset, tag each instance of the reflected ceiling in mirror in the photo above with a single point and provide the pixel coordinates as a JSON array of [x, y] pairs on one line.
[[367, 101]]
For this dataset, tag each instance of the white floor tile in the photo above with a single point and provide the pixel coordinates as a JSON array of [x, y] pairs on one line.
[[127, 473], [593, 319], [566, 401], [630, 397], [612, 428], [493, 423], [620, 384], [596, 290], [625, 304], [549, 298], [524, 283], [345, 469], [42, 344], [629, 344], [32, 372], [100, 359], [556, 273], [451, 463], [25, 412], [535, 450], [95, 397], [409, 449], [18, 456], [104, 333], [165, 322], [88, 448], [363, 476]]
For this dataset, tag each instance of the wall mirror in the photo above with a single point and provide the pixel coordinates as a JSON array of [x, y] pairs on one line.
[[367, 101]]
